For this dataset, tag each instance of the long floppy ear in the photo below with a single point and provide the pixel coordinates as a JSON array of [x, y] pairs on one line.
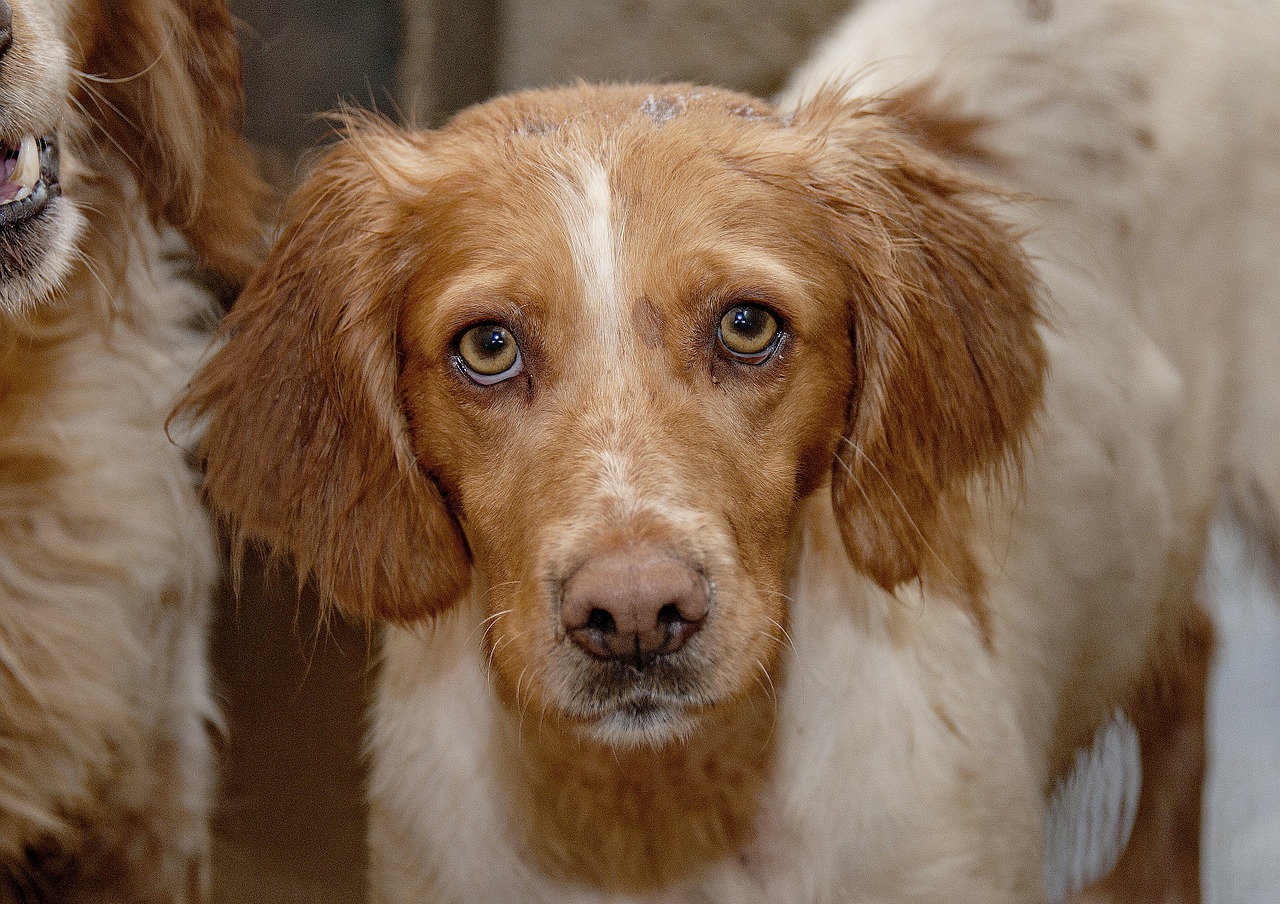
[[163, 81], [949, 360], [305, 442]]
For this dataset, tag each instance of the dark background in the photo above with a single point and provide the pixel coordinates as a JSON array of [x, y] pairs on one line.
[[303, 57]]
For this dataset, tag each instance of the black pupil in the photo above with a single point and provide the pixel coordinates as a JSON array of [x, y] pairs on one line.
[[749, 322], [493, 342]]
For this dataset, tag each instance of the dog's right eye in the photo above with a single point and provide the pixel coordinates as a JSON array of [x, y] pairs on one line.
[[749, 333], [489, 354]]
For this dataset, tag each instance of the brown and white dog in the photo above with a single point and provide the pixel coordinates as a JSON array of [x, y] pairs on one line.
[[118, 123], [766, 505]]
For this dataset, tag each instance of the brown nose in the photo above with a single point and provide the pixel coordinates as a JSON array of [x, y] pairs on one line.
[[635, 604]]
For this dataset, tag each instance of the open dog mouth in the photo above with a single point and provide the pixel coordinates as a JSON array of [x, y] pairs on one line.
[[28, 178]]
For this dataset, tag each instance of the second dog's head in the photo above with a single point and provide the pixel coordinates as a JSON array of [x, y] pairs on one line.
[[586, 352], [95, 90]]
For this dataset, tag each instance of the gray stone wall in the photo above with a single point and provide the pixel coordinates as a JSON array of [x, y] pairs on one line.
[[746, 44]]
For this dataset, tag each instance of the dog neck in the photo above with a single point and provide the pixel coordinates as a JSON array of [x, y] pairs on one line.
[[642, 818]]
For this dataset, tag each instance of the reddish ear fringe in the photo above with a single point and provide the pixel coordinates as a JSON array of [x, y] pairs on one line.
[[164, 83], [305, 444], [950, 362]]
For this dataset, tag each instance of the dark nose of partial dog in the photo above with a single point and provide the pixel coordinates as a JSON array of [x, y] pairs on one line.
[[633, 605], [6, 27]]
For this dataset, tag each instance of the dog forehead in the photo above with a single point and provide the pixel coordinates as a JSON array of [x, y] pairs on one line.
[[654, 149], [621, 216]]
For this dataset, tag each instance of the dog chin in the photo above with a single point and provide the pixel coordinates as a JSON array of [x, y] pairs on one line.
[[641, 723], [46, 264]]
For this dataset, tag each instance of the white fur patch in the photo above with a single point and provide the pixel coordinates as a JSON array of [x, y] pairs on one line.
[[592, 238], [1242, 818], [1093, 810]]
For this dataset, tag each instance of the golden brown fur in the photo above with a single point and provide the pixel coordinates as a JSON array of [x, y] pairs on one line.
[[106, 561], [862, 172], [911, 309]]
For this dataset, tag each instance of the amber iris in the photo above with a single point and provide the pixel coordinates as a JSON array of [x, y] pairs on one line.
[[749, 332], [489, 353]]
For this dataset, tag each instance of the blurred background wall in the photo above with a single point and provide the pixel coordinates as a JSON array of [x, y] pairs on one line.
[[294, 686], [419, 60]]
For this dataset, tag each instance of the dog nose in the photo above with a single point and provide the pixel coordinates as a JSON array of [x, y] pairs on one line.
[[6, 27], [636, 605]]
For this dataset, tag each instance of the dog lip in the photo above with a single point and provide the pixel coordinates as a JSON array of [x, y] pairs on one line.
[[50, 159], [639, 719], [636, 694], [18, 213]]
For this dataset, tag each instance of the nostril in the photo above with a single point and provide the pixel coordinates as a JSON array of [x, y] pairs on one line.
[[672, 629], [670, 615], [602, 621]]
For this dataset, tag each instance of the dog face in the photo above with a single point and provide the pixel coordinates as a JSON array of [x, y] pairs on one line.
[[588, 352], [87, 86], [670, 366]]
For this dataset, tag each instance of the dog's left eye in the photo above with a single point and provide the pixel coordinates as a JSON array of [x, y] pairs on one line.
[[489, 354], [749, 333]]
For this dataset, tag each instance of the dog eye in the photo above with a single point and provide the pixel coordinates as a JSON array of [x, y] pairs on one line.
[[749, 333], [489, 354]]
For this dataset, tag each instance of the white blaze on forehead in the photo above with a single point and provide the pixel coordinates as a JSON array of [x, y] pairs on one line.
[[593, 230], [593, 241]]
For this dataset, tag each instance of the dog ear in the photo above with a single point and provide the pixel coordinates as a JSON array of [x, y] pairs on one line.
[[949, 363], [164, 84], [305, 442]]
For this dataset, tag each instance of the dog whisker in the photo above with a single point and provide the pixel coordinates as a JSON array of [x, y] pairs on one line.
[[486, 625]]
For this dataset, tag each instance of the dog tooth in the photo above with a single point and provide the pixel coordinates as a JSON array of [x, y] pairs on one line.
[[27, 172]]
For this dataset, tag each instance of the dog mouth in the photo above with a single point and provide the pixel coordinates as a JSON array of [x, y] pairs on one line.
[[29, 177], [639, 708]]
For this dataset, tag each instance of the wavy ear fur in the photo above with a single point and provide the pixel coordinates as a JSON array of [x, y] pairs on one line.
[[305, 445], [164, 84], [949, 360]]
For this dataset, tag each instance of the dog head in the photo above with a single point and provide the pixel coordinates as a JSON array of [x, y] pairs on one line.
[[88, 87], [586, 353]]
